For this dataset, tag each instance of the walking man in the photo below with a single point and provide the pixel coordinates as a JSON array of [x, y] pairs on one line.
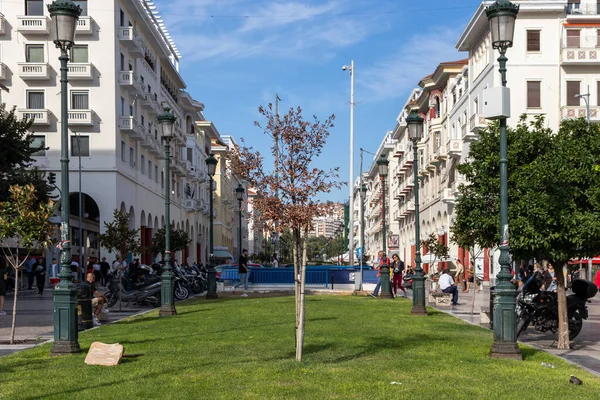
[[104, 268], [243, 272]]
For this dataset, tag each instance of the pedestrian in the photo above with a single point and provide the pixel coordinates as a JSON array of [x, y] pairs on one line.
[[54, 269], [96, 271], [3, 282], [397, 269], [98, 301], [550, 283], [30, 267], [75, 270], [471, 277], [275, 262], [40, 278], [381, 261], [104, 268], [459, 275], [243, 272], [446, 283]]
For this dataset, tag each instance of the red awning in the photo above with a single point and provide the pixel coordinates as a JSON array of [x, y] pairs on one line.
[[595, 260]]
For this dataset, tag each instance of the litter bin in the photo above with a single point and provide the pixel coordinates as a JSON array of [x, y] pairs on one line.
[[492, 295], [84, 307]]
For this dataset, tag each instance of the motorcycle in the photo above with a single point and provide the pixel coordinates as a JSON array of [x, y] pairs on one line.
[[181, 285], [540, 308], [146, 291]]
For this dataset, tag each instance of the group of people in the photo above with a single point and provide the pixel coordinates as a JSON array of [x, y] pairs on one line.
[[544, 276], [397, 269]]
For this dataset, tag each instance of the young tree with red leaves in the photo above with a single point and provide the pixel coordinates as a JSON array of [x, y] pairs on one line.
[[290, 196]]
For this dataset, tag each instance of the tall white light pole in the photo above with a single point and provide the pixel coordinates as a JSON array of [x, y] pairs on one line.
[[351, 203]]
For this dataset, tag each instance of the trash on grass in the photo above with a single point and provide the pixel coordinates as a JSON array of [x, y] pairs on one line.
[[545, 364]]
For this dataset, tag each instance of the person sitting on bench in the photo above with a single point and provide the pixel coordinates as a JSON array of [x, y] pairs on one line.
[[97, 301], [446, 283]]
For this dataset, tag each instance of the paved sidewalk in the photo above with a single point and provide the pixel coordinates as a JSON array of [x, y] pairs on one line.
[[585, 349]]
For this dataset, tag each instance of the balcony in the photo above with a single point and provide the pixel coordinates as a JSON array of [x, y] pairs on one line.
[[448, 196], [400, 149], [189, 204], [34, 70], [476, 123], [80, 71], [41, 117], [569, 112], [84, 26], [407, 161], [454, 148], [155, 148], [37, 24], [584, 50], [582, 12], [2, 71], [128, 37], [130, 126], [177, 167], [407, 208], [2, 24], [128, 80], [80, 117]]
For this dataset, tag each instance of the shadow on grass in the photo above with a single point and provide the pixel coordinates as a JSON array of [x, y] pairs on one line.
[[529, 352], [37, 363]]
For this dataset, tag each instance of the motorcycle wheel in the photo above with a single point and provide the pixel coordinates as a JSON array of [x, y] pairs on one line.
[[575, 324], [181, 293], [196, 287], [112, 299]]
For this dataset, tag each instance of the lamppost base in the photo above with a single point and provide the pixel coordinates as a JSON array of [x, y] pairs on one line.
[[211, 293], [419, 310], [212, 296], [62, 348], [167, 310], [509, 351], [387, 295], [65, 319]]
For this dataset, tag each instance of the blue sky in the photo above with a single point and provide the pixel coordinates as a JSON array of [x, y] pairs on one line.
[[236, 54]]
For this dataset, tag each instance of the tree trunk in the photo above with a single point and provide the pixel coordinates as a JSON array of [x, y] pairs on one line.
[[297, 262], [302, 305], [14, 314], [563, 317]]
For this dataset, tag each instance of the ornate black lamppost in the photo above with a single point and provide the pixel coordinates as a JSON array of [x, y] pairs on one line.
[[64, 15], [501, 16], [167, 306], [211, 293], [382, 165], [415, 133], [239, 195]]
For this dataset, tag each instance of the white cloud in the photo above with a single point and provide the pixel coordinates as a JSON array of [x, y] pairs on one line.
[[415, 59]]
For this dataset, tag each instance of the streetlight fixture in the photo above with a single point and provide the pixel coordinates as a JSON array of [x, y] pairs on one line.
[[501, 16], [64, 14], [166, 120], [239, 194], [415, 133], [586, 99], [211, 293], [363, 195], [350, 68], [382, 166]]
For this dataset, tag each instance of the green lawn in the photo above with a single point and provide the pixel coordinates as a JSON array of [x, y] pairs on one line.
[[240, 348]]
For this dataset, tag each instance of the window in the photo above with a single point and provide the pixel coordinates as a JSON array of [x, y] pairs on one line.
[[534, 99], [83, 4], [142, 80], [34, 7], [131, 157], [121, 18], [80, 145], [122, 62], [598, 93], [80, 101], [149, 169], [122, 106], [37, 142], [143, 120], [122, 151], [149, 89], [156, 173], [533, 40], [35, 100], [143, 165], [573, 89], [573, 37], [476, 105], [162, 179], [190, 154], [131, 110], [79, 53], [34, 52]]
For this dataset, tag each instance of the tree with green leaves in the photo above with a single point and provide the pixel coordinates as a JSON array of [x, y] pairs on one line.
[[439, 249], [178, 238], [24, 225], [553, 195], [288, 193], [118, 237], [16, 156]]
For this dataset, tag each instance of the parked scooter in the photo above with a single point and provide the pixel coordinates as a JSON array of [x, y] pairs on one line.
[[145, 291], [540, 308]]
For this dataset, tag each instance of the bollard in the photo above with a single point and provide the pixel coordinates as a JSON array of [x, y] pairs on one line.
[[492, 295], [332, 281], [84, 307]]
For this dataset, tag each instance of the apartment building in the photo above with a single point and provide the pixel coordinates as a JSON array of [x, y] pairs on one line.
[[123, 70]]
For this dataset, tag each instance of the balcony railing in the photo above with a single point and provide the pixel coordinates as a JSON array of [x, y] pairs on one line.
[[2, 24], [32, 24], [34, 70], [455, 148], [584, 49], [80, 71], [41, 116], [2, 71], [80, 117], [129, 80], [128, 35], [582, 9], [84, 25], [580, 112]]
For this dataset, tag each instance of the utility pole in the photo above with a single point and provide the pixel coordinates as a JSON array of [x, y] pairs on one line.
[[276, 138], [586, 99]]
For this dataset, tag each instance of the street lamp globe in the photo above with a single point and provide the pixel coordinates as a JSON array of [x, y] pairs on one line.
[[501, 16], [415, 125], [239, 193], [167, 123], [382, 165], [64, 14], [211, 163]]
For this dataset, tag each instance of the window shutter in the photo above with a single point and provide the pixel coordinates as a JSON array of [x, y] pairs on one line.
[[573, 88], [573, 37], [80, 101], [534, 95], [35, 100], [533, 40]]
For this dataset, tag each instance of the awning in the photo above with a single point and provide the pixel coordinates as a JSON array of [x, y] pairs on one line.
[[595, 260], [222, 254]]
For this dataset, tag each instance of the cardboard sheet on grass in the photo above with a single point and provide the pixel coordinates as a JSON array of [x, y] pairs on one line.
[[104, 354]]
